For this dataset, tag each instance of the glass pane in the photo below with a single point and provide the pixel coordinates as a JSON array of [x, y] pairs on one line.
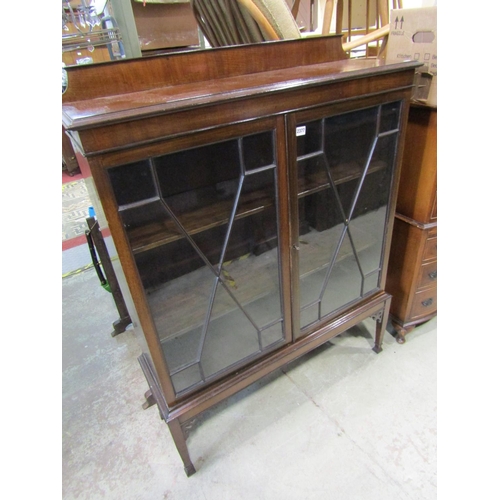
[[309, 139], [205, 235], [230, 337], [134, 174], [344, 179], [258, 150]]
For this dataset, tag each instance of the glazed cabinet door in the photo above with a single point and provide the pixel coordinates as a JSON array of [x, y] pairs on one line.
[[202, 224], [343, 180]]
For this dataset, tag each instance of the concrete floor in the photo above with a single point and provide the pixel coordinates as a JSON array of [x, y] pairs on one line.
[[341, 423]]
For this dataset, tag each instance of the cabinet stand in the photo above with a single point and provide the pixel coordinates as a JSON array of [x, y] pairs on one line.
[[177, 417]]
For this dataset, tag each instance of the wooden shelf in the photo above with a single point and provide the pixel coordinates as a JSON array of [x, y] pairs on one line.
[[343, 173], [156, 234], [196, 221]]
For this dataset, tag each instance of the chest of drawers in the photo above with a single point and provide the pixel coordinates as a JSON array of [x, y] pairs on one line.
[[412, 274]]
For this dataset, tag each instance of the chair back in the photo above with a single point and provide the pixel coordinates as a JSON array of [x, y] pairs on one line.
[[236, 22], [370, 30]]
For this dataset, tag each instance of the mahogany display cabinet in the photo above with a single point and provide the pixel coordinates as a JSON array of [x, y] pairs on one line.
[[250, 195]]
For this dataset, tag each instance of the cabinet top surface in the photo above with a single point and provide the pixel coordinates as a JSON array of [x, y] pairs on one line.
[[125, 90]]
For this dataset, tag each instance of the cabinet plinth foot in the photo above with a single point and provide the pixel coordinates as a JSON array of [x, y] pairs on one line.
[[150, 400], [189, 470]]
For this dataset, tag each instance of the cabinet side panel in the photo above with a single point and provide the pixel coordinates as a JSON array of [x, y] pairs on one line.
[[417, 191], [132, 287], [112, 252]]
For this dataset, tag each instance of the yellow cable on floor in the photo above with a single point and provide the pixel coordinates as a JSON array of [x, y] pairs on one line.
[[78, 271]]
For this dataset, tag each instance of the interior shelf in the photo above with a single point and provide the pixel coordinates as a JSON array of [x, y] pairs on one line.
[[345, 172], [196, 221], [156, 234]]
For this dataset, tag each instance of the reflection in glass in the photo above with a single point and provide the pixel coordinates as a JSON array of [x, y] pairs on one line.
[[345, 165], [203, 227]]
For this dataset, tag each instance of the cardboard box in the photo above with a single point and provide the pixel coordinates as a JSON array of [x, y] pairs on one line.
[[413, 35]]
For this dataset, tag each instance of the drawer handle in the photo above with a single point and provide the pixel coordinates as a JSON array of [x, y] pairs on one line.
[[427, 303], [433, 275]]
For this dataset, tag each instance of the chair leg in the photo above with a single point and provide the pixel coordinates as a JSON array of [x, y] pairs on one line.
[[327, 16], [295, 9]]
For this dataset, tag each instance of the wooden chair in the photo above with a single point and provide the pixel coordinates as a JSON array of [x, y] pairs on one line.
[[231, 22], [357, 36], [234, 22]]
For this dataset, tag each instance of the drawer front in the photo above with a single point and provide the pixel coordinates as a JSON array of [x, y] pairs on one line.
[[424, 303], [430, 249], [428, 274]]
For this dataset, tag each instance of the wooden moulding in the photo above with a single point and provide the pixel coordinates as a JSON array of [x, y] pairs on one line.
[[104, 131], [124, 91], [182, 68]]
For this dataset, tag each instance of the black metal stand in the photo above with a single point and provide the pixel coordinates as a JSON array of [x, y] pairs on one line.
[[108, 279]]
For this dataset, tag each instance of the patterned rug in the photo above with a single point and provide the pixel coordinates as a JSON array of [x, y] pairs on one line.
[[75, 209]]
